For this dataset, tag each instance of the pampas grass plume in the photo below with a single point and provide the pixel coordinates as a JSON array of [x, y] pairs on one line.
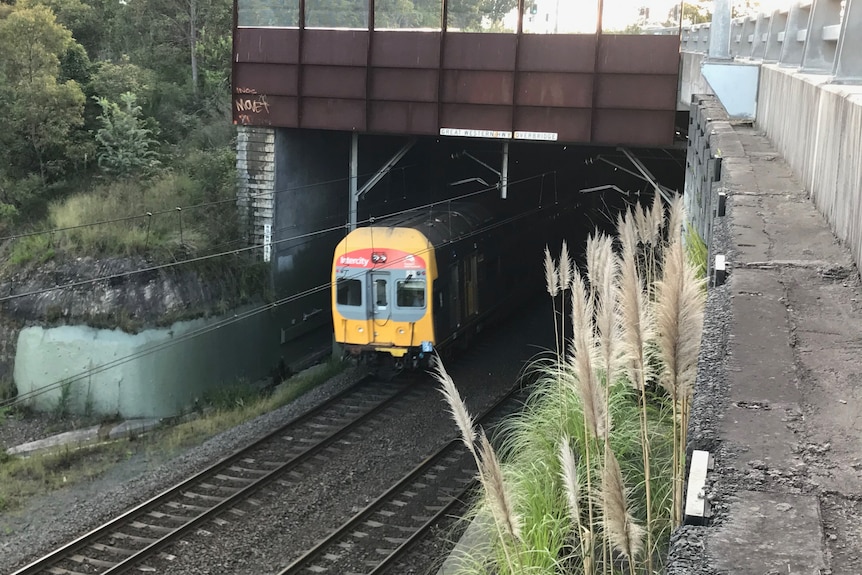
[[495, 489], [583, 349], [552, 280], [656, 217], [679, 318], [625, 535], [565, 267], [571, 480], [457, 407]]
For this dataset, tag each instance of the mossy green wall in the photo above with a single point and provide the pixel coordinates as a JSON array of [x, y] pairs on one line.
[[164, 383]]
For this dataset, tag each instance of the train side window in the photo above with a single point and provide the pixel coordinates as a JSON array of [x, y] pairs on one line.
[[348, 292], [410, 293]]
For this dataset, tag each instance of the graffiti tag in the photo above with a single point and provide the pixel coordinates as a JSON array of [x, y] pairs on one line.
[[254, 105]]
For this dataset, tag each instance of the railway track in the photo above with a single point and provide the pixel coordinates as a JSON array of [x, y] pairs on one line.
[[126, 542], [373, 540]]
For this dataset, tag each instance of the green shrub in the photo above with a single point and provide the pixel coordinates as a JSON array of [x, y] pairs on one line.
[[696, 251], [163, 232], [31, 250]]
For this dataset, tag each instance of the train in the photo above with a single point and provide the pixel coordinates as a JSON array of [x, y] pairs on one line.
[[429, 280]]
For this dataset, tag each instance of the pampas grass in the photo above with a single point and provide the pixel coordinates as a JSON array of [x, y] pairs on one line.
[[582, 359], [624, 534], [587, 479], [637, 332], [457, 407], [679, 313], [490, 472]]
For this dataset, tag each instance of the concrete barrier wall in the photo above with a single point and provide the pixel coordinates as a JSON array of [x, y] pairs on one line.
[[691, 81], [817, 127]]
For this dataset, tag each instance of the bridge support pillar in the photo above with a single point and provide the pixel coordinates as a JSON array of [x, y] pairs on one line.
[[255, 165], [794, 36], [848, 59], [719, 31], [819, 52]]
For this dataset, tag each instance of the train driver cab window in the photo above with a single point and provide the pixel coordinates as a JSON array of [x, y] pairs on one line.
[[349, 292], [410, 293], [380, 293]]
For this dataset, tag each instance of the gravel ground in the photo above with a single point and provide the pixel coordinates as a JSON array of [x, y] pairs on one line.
[[285, 519], [686, 556], [29, 426], [51, 520]]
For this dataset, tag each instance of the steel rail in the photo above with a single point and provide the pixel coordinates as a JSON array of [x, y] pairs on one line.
[[45, 563], [389, 561], [454, 447]]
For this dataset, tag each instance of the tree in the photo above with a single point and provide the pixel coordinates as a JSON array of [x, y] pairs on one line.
[[125, 143], [695, 12], [178, 24], [80, 18], [111, 80], [39, 109]]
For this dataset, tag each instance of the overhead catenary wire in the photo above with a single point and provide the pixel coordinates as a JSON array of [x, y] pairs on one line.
[[227, 321], [150, 213], [196, 259]]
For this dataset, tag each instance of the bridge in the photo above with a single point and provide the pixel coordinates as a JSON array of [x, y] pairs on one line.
[[336, 112], [796, 74]]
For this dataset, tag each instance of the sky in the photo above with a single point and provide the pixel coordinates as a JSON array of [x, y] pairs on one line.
[[578, 16]]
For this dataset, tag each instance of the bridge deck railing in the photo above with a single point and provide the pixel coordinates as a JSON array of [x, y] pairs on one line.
[[814, 36]]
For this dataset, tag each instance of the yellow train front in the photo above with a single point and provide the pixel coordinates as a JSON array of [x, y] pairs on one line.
[[433, 278], [381, 304]]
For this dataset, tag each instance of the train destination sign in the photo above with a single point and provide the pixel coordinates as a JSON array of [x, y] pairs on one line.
[[383, 258], [499, 134]]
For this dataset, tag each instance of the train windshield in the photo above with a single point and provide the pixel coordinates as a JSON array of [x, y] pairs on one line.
[[410, 293], [349, 292]]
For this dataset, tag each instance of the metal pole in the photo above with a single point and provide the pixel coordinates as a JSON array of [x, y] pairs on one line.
[[504, 175], [521, 8], [354, 180]]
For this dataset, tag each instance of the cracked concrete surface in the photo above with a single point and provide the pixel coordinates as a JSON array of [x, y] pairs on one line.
[[788, 482]]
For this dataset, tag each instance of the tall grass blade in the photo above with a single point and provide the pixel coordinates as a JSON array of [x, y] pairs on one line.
[[625, 534], [582, 358], [496, 491], [457, 407], [552, 278]]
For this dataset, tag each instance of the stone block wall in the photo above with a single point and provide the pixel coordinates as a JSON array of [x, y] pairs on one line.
[[255, 162]]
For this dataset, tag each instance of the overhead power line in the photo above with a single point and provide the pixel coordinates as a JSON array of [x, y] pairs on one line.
[[227, 321], [158, 267]]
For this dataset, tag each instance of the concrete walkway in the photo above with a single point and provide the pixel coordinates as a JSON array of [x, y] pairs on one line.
[[787, 428]]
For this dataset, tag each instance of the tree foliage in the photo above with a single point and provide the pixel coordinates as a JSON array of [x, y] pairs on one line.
[[126, 145], [95, 88], [41, 110]]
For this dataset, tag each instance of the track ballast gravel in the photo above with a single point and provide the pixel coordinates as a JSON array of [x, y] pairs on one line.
[[289, 517]]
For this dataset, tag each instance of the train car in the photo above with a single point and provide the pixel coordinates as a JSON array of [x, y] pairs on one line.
[[429, 280]]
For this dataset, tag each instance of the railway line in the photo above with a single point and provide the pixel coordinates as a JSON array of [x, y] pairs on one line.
[[142, 533], [373, 541]]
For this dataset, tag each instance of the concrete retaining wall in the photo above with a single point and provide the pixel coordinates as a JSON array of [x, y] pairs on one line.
[[138, 383], [691, 81], [817, 128]]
